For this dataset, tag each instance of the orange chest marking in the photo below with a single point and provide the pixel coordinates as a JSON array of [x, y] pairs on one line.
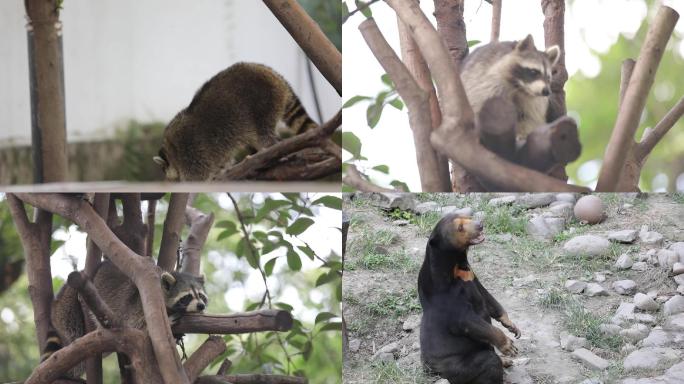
[[464, 275]]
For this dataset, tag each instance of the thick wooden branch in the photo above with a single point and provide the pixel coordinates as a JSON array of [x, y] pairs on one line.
[[457, 137], [247, 322], [132, 231], [307, 164], [139, 269], [417, 102], [80, 282], [496, 20], [151, 217], [212, 347], [634, 101], [261, 159], [452, 28], [625, 74], [554, 34], [653, 137], [225, 366], [356, 180], [251, 379], [173, 225], [200, 224], [93, 253], [304, 30]]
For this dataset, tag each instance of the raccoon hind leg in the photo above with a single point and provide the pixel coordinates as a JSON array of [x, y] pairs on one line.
[[295, 117]]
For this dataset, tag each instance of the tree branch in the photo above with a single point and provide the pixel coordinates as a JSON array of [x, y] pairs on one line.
[[173, 225], [310, 38], [200, 225], [554, 34], [93, 253], [212, 347], [151, 217], [625, 74], [307, 164], [496, 20], [653, 137], [79, 281], [356, 180], [245, 322], [632, 106]]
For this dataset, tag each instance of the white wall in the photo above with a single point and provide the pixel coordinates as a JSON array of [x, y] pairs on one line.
[[131, 59]]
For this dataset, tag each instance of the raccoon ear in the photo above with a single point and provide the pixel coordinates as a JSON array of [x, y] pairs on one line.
[[160, 161], [525, 44], [553, 53], [167, 280]]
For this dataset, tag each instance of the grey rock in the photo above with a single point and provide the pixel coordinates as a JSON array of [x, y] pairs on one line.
[[649, 256], [625, 312], [518, 375], [545, 227], [442, 381], [675, 322], [679, 279], [625, 287], [592, 381], [634, 333], [672, 376], [575, 286], [383, 357], [624, 261], [400, 223], [411, 323], [570, 342], [428, 206], [650, 237], [645, 302], [589, 359], [586, 245], [391, 200], [667, 258], [594, 289], [389, 348], [535, 200], [624, 236], [566, 197], [504, 200], [674, 305], [678, 268], [679, 248], [662, 338], [650, 358], [645, 318], [563, 210], [610, 329], [639, 266], [354, 345], [599, 277]]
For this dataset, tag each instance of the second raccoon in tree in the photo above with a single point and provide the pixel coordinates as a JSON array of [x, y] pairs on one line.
[[239, 108], [514, 71]]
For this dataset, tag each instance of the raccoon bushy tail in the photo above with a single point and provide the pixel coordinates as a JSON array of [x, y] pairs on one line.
[[295, 116], [52, 345]]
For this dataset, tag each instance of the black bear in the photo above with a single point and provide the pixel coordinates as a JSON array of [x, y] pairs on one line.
[[457, 338]]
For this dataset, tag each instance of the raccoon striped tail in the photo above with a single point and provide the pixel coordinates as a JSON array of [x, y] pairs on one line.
[[52, 345], [296, 118]]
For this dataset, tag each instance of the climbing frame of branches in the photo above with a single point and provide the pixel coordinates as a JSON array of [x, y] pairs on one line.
[[150, 355], [445, 127]]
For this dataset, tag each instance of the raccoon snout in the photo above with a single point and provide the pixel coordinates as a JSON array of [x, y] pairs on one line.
[[545, 91], [200, 306]]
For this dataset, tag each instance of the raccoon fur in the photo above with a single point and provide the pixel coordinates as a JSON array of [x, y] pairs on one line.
[[182, 293], [241, 107], [515, 71]]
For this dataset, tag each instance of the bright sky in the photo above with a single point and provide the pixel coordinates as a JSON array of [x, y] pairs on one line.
[[597, 19]]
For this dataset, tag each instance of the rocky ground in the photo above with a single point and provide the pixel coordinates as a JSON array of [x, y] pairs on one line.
[[595, 303]]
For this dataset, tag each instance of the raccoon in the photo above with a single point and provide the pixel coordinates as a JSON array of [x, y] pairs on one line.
[[515, 71], [243, 106], [182, 292]]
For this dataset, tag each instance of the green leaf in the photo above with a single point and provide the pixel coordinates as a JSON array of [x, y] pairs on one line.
[[270, 205], [55, 244], [333, 202], [299, 226], [326, 278], [293, 260], [473, 42], [331, 327], [225, 224], [226, 233], [355, 99], [324, 316], [307, 251], [387, 80], [284, 306], [308, 348], [397, 103], [365, 11], [345, 11], [373, 114], [382, 168], [401, 185], [268, 267], [351, 144]]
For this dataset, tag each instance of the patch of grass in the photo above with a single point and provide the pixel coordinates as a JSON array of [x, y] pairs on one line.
[[395, 305], [505, 219], [555, 298], [389, 372], [583, 323], [426, 222], [678, 197], [398, 261], [531, 252]]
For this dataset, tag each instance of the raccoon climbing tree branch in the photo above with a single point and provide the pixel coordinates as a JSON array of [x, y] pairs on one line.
[[358, 181], [457, 137], [212, 347], [417, 102], [304, 30], [35, 239], [265, 157], [173, 225], [640, 84], [143, 274], [245, 322]]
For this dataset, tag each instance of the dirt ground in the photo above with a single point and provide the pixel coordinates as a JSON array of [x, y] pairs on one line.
[[385, 249]]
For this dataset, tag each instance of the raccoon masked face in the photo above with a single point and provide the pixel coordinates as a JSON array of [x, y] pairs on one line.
[[531, 70], [183, 292], [170, 171]]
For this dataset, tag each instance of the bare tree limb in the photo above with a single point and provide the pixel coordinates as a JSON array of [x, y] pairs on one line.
[[496, 20], [173, 225], [200, 224], [225, 366], [356, 180], [151, 216], [625, 74], [79, 281], [307, 164], [417, 102], [310, 38], [246, 322], [212, 347], [554, 34], [649, 141], [632, 106], [93, 253]]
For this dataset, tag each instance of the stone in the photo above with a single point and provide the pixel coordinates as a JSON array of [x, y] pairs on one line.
[[599, 277], [662, 338], [401, 223], [645, 302], [442, 381], [679, 279], [634, 333], [650, 237], [545, 227], [625, 287], [411, 323], [563, 210], [566, 197], [575, 286], [628, 348], [649, 256], [592, 381], [535, 200], [391, 200], [354, 345], [625, 312], [610, 329], [675, 322], [645, 318], [428, 206], [594, 289], [624, 261], [380, 250], [589, 359], [674, 305], [678, 268], [389, 348], [639, 266], [679, 248], [672, 376], [649, 358], [586, 245], [518, 375], [570, 342], [625, 236], [505, 200], [667, 258], [383, 357]]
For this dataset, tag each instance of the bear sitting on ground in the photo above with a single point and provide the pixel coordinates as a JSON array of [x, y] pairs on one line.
[[457, 338]]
